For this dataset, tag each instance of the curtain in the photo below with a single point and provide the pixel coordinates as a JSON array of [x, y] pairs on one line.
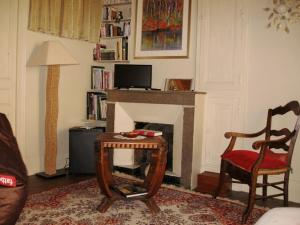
[[76, 19]]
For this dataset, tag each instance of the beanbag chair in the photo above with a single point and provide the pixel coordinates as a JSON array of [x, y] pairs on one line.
[[13, 175]]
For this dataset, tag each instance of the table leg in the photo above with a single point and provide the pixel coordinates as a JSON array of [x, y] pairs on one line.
[[104, 175], [156, 172], [155, 177], [105, 204], [151, 204]]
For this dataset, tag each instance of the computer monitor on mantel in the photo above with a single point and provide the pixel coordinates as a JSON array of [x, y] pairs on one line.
[[133, 76]]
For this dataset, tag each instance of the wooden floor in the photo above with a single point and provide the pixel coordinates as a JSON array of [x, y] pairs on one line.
[[37, 184]]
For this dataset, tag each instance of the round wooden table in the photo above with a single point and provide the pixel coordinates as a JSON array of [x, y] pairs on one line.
[[153, 180]]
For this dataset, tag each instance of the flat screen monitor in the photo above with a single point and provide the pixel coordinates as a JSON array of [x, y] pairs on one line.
[[133, 76]]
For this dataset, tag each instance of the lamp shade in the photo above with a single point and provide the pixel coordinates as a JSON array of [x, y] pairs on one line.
[[51, 53]]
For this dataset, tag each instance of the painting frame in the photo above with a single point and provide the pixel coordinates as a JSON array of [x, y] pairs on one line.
[[178, 84], [182, 52]]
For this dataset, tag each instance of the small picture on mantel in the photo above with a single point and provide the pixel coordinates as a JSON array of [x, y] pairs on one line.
[[178, 84]]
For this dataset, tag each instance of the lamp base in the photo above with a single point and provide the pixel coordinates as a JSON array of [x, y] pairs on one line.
[[59, 173]]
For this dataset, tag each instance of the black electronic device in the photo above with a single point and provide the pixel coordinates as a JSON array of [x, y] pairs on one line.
[[133, 76], [82, 146]]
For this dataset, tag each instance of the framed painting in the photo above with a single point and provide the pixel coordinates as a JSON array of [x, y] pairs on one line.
[[162, 29], [178, 84]]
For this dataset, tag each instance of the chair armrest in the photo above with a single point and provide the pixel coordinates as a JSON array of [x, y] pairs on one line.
[[244, 135], [272, 143], [235, 135]]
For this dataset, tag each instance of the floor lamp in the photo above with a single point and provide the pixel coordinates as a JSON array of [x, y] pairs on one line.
[[51, 54]]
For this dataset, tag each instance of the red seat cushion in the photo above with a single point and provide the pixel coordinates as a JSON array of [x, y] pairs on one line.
[[246, 158]]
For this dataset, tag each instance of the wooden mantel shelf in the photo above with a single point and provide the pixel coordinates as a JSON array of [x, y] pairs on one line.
[[153, 97]]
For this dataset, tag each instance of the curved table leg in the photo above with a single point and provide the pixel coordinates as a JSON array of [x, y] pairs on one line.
[[155, 177], [105, 179], [105, 204], [156, 172], [151, 204]]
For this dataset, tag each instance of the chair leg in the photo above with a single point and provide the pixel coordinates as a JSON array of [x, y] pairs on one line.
[[251, 198], [221, 179], [264, 188], [286, 189]]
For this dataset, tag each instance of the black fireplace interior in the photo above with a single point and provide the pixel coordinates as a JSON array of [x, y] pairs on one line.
[[141, 157]]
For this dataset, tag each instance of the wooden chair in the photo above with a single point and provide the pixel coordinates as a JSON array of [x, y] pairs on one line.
[[274, 157]]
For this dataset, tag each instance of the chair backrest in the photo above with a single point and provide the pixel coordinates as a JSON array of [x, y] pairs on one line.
[[289, 144]]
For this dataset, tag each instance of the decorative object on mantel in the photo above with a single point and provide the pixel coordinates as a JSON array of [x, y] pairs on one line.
[[178, 84], [51, 54], [283, 13]]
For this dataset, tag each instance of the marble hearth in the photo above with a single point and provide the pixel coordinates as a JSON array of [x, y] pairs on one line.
[[184, 110]]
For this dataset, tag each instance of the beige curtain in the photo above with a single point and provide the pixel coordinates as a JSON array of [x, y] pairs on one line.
[[77, 19]]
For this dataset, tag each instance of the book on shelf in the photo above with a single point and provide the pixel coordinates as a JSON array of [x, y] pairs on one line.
[[126, 28], [102, 79], [108, 54], [130, 190], [108, 30], [148, 133], [109, 13], [107, 2], [96, 106]]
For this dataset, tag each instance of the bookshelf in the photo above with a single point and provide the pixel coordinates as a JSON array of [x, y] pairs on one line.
[[96, 105], [96, 97], [114, 32]]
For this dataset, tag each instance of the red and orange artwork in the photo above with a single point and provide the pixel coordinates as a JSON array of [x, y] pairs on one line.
[[162, 25]]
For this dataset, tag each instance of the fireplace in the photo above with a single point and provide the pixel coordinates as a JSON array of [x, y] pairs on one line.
[[182, 110]]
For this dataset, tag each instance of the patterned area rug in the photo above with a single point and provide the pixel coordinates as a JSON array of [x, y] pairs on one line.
[[76, 205]]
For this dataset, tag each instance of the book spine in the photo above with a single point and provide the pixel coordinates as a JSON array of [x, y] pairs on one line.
[[148, 133]]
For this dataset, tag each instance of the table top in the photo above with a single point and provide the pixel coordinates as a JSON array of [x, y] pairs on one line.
[[116, 140]]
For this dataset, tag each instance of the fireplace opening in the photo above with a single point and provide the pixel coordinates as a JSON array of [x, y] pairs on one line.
[[141, 157]]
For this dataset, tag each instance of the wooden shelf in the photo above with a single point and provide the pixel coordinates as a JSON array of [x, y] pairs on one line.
[[95, 123], [112, 61], [98, 91], [113, 21], [116, 4], [114, 37]]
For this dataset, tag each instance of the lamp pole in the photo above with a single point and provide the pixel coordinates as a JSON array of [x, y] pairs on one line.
[[51, 119]]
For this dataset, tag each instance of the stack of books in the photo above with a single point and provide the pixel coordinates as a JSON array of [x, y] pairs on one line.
[[102, 79], [130, 190], [148, 133], [96, 106]]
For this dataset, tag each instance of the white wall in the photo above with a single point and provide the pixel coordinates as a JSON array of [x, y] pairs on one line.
[[273, 75], [273, 64]]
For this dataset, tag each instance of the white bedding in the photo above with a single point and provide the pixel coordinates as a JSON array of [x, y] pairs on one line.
[[280, 216]]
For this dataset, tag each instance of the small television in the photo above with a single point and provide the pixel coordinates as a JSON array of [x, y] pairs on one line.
[[133, 76]]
